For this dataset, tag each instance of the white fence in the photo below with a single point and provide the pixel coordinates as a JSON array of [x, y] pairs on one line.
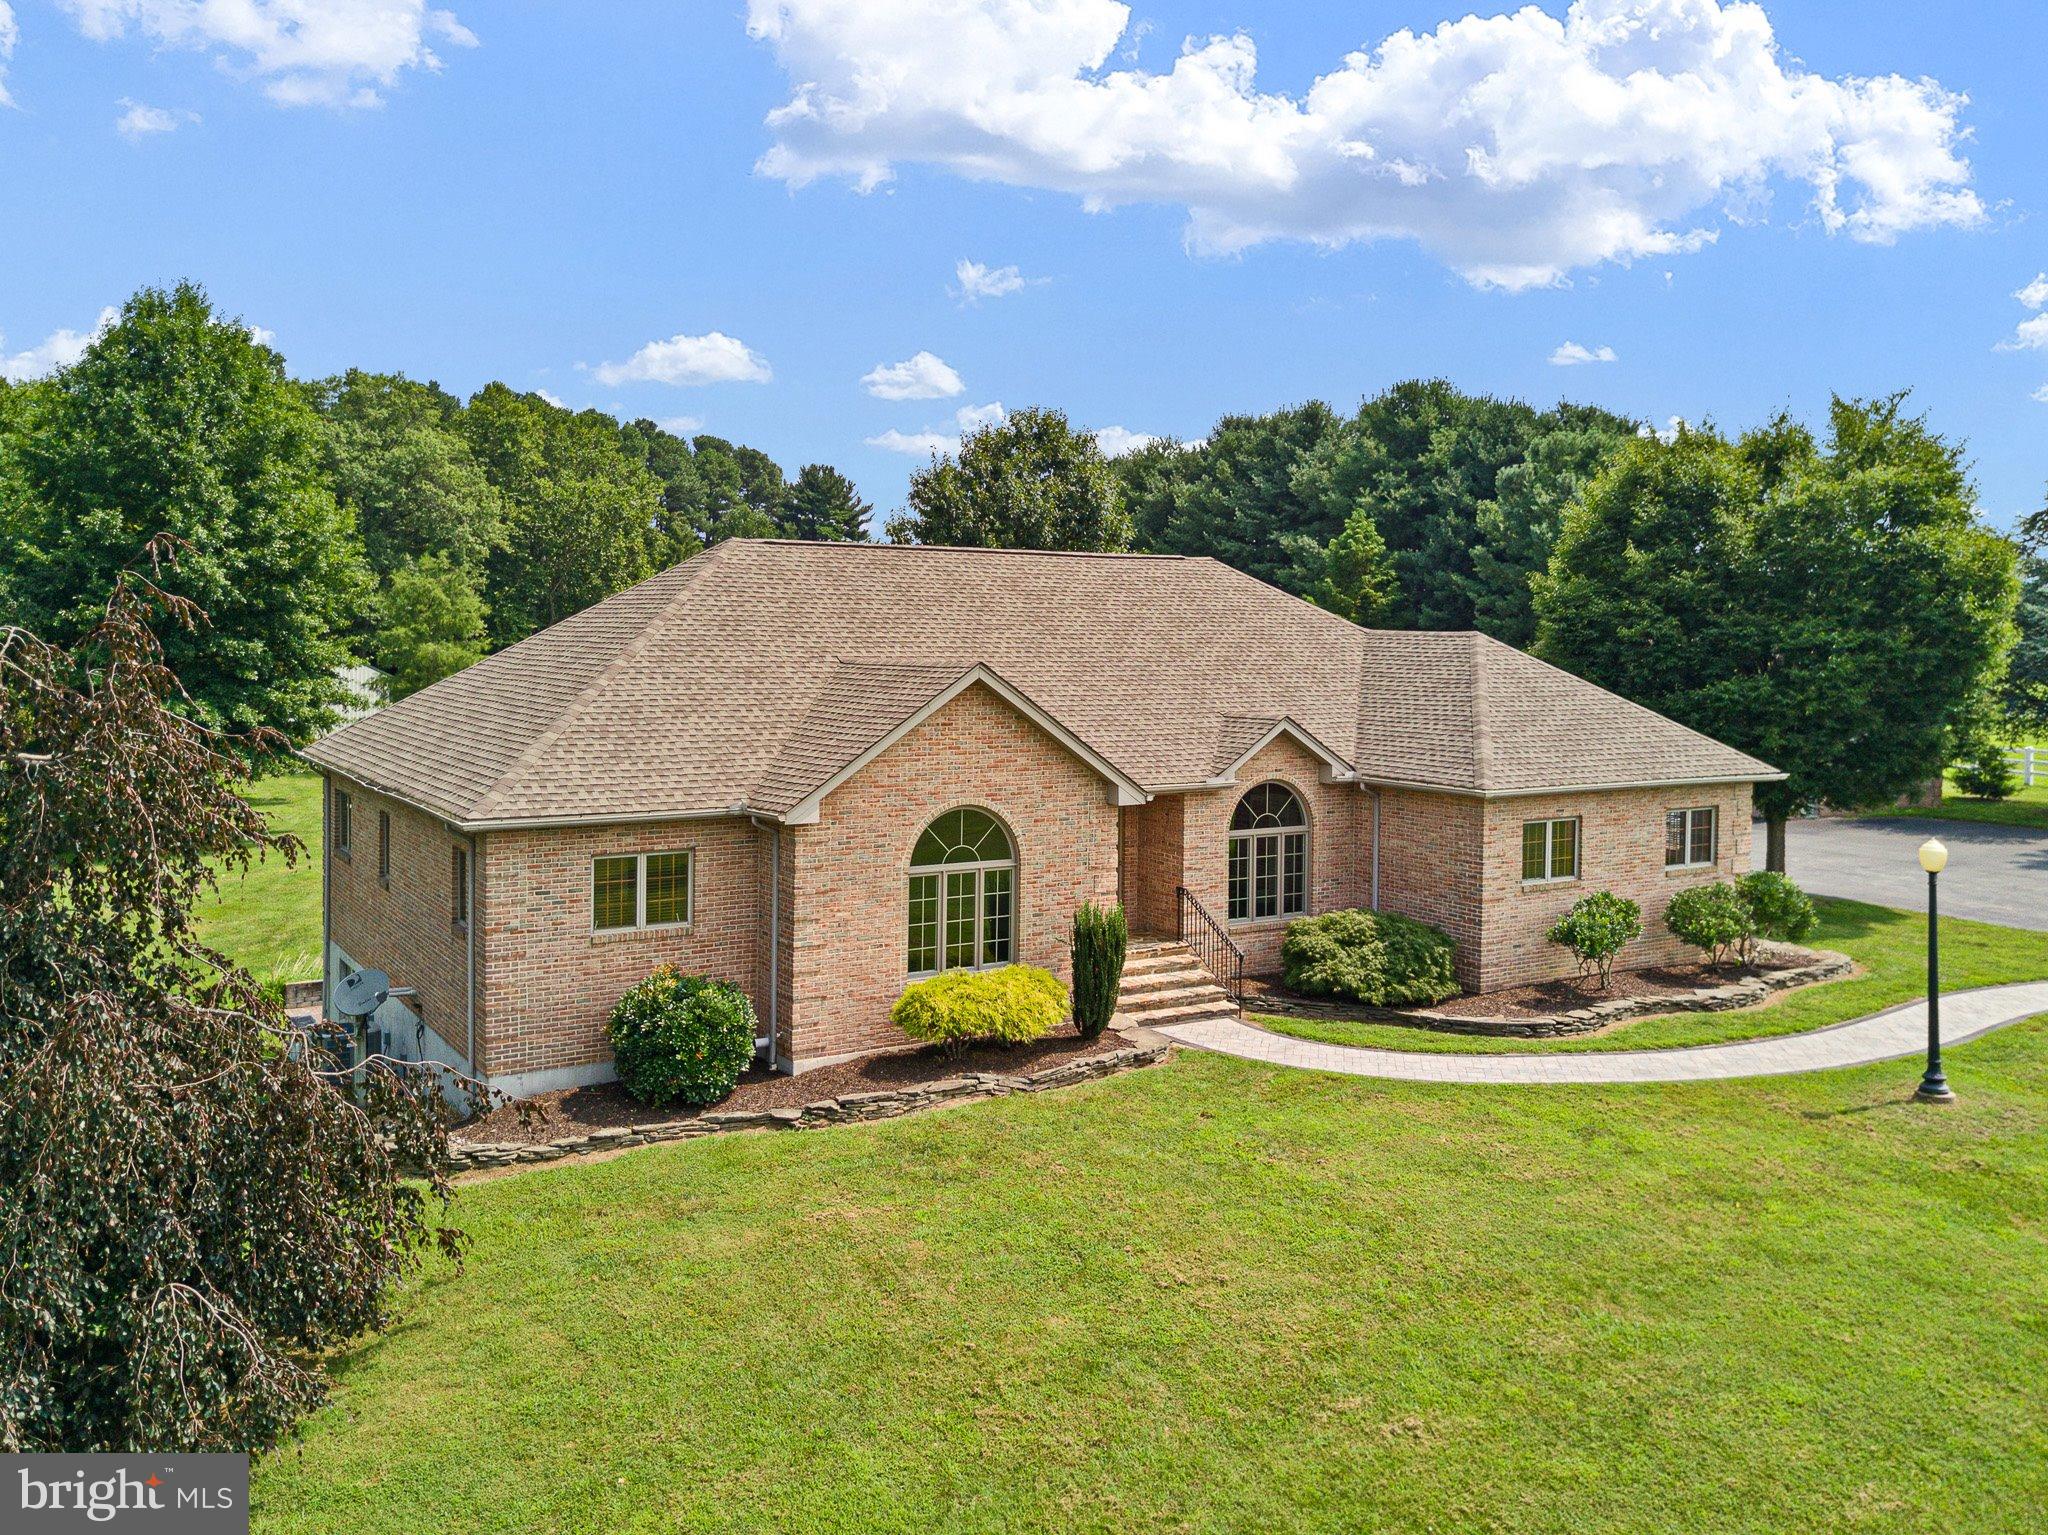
[[2030, 762]]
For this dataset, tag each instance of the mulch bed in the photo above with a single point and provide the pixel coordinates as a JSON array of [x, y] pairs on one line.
[[579, 1110], [1547, 998]]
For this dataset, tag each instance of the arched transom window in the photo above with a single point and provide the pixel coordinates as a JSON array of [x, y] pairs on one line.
[[963, 885], [1268, 855]]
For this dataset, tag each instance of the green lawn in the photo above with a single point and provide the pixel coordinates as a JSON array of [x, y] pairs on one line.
[[1218, 1296], [267, 919], [2025, 807], [1890, 945]]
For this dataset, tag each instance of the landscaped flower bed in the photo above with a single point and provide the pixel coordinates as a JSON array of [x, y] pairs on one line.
[[606, 1118], [1557, 1009]]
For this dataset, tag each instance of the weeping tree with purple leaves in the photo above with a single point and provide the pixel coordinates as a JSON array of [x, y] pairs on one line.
[[196, 1202]]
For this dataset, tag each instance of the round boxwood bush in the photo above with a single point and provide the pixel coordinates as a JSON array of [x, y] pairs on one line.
[[1597, 929], [1778, 908], [682, 1038], [1712, 917], [959, 1008], [1375, 957]]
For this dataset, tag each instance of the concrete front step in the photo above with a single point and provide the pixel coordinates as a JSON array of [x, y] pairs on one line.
[[1149, 1002], [1189, 1012]]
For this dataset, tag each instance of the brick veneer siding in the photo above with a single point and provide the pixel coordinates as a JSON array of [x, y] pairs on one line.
[[405, 928], [1432, 848], [1151, 859], [1339, 845], [1622, 850], [849, 917], [549, 982]]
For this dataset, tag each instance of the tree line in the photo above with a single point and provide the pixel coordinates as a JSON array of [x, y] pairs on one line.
[[1830, 601], [367, 516]]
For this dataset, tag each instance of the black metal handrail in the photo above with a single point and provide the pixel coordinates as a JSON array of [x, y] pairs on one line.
[[1213, 946]]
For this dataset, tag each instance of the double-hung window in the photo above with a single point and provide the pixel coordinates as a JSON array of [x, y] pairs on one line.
[[459, 870], [1689, 838], [629, 890], [384, 846], [344, 821], [1550, 850]]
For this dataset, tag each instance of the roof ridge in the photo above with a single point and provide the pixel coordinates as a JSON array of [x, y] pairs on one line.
[[640, 641], [1482, 721], [876, 546]]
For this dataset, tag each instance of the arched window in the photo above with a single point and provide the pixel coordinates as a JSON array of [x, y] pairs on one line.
[[1268, 855], [963, 884]]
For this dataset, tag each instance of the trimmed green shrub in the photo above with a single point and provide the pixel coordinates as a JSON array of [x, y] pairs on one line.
[[1597, 929], [958, 1008], [1712, 917], [1373, 957], [682, 1038], [1777, 908], [1984, 773], [1101, 935]]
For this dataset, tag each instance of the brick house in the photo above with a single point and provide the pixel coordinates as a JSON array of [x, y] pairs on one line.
[[822, 770]]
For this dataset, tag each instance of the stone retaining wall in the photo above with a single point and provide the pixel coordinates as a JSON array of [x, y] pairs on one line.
[[1822, 965], [885, 1104]]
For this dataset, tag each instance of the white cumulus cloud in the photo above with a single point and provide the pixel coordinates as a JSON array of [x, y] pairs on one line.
[[2041, 394], [715, 358], [10, 34], [978, 282], [1116, 441], [1517, 148], [303, 52], [59, 349], [922, 377], [682, 426], [935, 440], [139, 120], [2035, 294], [2032, 332], [1572, 355]]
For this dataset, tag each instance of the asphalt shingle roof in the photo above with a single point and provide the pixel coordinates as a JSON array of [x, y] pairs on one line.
[[752, 673]]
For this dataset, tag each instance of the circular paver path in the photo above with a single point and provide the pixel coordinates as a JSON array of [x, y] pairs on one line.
[[1898, 1031]]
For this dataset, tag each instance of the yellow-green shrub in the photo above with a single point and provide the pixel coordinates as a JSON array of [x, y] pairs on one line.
[[958, 1008]]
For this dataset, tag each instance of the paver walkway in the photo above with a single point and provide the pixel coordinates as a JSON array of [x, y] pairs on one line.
[[1898, 1031]]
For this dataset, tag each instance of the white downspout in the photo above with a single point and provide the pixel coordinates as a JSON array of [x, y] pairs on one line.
[[1375, 847], [469, 943], [326, 897]]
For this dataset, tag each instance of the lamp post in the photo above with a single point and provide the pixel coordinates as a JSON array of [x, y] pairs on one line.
[[1933, 1085]]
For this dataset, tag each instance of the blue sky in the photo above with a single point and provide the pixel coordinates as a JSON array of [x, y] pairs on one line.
[[529, 190]]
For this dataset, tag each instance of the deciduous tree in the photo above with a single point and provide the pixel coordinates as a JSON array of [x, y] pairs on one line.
[[1030, 482], [1838, 610], [430, 623]]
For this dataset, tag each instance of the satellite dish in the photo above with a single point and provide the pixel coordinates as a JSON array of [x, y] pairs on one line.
[[362, 993]]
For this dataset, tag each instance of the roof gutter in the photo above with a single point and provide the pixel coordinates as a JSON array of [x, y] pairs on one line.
[[1365, 782]]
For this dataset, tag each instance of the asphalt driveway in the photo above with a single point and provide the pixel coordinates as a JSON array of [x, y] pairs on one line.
[[1995, 873]]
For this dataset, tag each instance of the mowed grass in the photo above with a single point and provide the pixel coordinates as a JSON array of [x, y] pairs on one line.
[[2023, 807], [267, 918], [1218, 1296], [1891, 946]]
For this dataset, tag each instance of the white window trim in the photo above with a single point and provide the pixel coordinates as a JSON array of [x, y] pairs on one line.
[[640, 924], [918, 870], [1550, 825], [1713, 859]]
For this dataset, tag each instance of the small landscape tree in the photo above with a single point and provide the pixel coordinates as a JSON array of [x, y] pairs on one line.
[[1597, 929], [1101, 935]]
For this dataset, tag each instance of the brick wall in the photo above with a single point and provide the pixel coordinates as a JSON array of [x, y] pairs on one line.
[[1339, 845], [404, 927], [1622, 850], [1432, 847], [1150, 854], [849, 888], [549, 982]]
